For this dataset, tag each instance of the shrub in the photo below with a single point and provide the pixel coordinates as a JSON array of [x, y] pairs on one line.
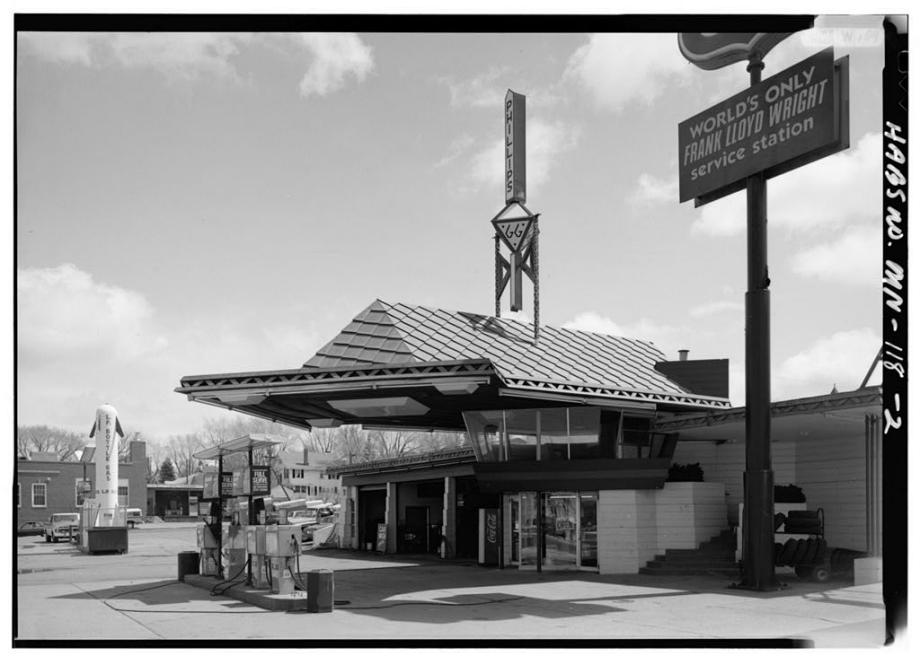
[[788, 494], [685, 473]]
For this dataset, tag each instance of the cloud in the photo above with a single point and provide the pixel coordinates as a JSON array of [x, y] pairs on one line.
[[63, 313], [481, 91], [545, 143], [647, 330], [178, 55], [457, 148], [715, 307], [82, 342], [841, 359], [654, 191], [331, 58], [852, 259], [619, 69], [58, 47], [836, 190], [593, 322], [335, 57]]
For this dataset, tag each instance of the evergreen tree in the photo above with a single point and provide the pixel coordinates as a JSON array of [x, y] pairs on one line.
[[167, 471]]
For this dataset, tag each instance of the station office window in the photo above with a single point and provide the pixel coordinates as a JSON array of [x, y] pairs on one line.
[[39, 495], [123, 492], [576, 433]]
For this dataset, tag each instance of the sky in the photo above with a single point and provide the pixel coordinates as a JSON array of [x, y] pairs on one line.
[[222, 202]]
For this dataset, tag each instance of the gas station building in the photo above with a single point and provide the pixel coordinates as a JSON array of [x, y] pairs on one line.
[[572, 439]]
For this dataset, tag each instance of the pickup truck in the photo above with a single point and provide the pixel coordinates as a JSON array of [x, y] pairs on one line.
[[59, 526]]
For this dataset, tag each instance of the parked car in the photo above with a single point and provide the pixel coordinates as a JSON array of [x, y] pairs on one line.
[[60, 526], [135, 516], [31, 528]]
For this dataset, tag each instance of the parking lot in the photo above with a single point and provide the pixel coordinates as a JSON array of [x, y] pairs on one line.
[[64, 594]]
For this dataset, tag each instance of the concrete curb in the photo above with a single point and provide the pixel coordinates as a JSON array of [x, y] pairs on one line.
[[261, 598]]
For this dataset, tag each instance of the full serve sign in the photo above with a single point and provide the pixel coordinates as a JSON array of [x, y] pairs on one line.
[[783, 122]]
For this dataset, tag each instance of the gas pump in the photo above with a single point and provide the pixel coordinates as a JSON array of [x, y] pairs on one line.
[[255, 547], [234, 543], [207, 550], [282, 546]]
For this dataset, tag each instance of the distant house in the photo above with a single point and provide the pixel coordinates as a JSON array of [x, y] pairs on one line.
[[44, 485], [304, 475], [177, 499]]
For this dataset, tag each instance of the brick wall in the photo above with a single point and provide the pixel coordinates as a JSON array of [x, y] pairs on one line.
[[60, 480]]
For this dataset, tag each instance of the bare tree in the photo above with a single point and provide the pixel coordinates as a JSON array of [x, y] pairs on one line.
[[181, 450], [393, 444], [47, 439]]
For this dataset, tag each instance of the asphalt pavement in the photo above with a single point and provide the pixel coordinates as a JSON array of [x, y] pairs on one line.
[[64, 594]]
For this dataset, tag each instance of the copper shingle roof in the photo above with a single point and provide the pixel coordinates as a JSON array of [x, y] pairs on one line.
[[388, 333]]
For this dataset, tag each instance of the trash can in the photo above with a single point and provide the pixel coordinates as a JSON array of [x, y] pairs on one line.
[[188, 563], [320, 591]]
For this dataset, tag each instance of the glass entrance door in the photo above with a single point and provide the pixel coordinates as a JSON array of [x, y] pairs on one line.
[[514, 512], [528, 530], [569, 535], [560, 530]]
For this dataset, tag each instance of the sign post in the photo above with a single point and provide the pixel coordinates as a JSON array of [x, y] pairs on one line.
[[519, 233], [758, 571], [776, 125]]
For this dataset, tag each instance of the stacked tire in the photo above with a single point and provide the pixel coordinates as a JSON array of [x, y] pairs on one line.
[[807, 556], [804, 521]]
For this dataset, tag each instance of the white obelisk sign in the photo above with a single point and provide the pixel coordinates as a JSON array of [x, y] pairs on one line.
[[106, 431]]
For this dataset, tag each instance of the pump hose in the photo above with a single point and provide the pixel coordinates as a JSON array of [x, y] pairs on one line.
[[229, 582]]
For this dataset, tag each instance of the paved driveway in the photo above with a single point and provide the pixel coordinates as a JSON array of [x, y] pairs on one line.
[[65, 594]]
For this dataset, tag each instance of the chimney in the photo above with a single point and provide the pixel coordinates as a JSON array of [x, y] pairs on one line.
[[306, 456], [682, 354]]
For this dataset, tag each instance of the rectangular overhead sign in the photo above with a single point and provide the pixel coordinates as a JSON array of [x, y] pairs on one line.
[[515, 148], [785, 121]]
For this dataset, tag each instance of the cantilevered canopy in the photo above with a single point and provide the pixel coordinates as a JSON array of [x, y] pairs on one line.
[[239, 445], [794, 420], [399, 366]]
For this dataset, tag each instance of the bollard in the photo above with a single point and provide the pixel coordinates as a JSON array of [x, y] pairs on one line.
[[188, 563], [320, 591]]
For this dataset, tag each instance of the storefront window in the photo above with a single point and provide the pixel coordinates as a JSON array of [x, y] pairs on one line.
[[588, 530], [555, 530]]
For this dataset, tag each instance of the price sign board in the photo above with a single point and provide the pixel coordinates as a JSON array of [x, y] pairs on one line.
[[226, 484], [259, 480]]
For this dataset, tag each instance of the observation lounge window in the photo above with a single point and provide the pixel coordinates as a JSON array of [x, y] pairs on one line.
[[575, 433]]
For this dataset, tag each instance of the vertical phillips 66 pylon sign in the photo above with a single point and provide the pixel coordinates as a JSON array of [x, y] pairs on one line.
[[515, 149]]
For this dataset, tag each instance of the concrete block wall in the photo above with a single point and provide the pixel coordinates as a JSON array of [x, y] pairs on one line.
[[690, 514], [724, 464], [618, 531], [635, 525], [832, 473]]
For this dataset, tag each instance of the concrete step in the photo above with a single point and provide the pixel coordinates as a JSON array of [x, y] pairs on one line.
[[710, 553], [713, 558]]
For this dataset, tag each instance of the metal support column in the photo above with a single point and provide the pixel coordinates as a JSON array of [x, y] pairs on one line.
[[758, 571]]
